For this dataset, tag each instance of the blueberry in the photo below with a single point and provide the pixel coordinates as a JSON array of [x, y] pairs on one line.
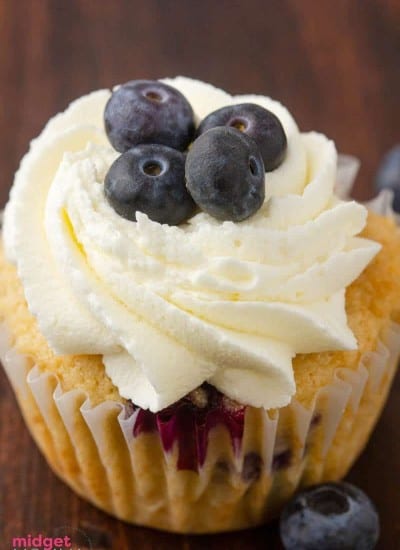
[[334, 516], [388, 175], [150, 179], [148, 111], [258, 123], [281, 460], [225, 174], [252, 467]]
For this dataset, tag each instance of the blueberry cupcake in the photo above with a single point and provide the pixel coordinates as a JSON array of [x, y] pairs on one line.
[[194, 322]]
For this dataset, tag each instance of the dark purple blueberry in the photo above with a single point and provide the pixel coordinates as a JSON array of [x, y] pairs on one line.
[[281, 460], [256, 122], [148, 111], [225, 174], [334, 516], [150, 179], [388, 175], [252, 467]]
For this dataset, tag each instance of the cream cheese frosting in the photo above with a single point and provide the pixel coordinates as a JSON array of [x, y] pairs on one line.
[[169, 307]]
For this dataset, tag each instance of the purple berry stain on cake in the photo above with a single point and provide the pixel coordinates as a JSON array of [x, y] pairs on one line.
[[189, 421]]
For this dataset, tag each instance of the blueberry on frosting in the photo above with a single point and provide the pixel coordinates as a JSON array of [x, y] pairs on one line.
[[148, 111], [225, 166], [150, 179], [258, 123], [225, 174]]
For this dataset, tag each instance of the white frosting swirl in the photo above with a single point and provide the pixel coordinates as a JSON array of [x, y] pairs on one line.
[[171, 307]]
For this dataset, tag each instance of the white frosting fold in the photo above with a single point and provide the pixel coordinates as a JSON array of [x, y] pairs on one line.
[[171, 307]]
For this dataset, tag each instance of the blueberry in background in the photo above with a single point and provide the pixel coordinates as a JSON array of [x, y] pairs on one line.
[[388, 175], [225, 174], [150, 179], [148, 111], [256, 122], [333, 516]]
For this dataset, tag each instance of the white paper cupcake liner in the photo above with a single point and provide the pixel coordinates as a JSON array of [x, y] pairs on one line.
[[95, 451]]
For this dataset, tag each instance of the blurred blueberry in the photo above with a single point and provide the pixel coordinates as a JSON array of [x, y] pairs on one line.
[[333, 516], [388, 175]]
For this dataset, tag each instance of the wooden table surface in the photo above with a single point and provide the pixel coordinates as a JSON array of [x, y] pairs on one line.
[[335, 65]]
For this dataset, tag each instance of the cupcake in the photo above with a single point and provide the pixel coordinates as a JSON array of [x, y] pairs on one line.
[[195, 324]]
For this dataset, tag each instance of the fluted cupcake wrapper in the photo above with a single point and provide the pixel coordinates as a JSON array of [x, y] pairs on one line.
[[94, 450]]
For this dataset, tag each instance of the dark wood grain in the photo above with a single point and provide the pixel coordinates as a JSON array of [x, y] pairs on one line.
[[336, 65]]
